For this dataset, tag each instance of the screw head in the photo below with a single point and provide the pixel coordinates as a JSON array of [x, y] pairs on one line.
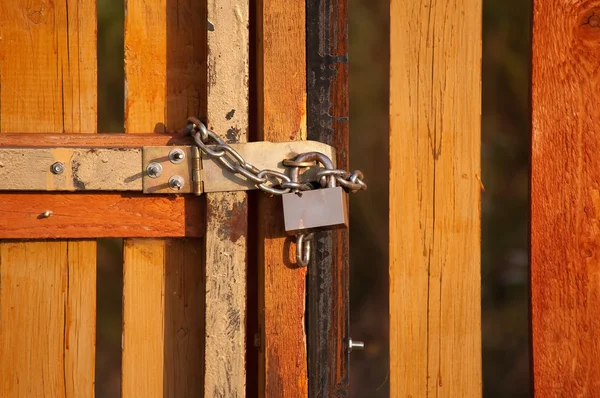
[[176, 156], [176, 183], [355, 345], [154, 170], [57, 168]]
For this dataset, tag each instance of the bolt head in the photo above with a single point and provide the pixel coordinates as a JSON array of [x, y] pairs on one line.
[[176, 156], [176, 183], [154, 170], [57, 168]]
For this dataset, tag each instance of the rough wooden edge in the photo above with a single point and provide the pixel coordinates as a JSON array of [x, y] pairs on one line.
[[226, 220], [435, 97], [328, 274], [281, 106]]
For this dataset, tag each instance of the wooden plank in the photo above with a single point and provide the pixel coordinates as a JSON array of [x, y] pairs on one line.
[[162, 281], [435, 325], [48, 291], [53, 317], [85, 169], [281, 106], [165, 71], [328, 274], [227, 212], [565, 271], [81, 215], [25, 140]]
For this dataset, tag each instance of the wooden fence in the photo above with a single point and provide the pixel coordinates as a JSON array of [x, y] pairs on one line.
[[209, 306]]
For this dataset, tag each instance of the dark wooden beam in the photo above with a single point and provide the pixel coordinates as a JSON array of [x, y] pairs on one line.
[[327, 120]]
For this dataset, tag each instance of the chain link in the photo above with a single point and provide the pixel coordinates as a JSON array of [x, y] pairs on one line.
[[272, 181]]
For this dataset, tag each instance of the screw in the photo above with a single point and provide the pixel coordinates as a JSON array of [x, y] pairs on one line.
[[355, 345], [57, 168], [176, 183], [154, 170], [176, 156]]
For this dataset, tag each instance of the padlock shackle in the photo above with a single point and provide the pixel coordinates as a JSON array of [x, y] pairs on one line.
[[316, 157]]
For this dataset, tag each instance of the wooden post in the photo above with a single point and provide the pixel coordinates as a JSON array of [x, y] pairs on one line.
[[48, 288], [565, 199], [329, 273], [227, 212], [281, 90], [435, 97], [163, 316]]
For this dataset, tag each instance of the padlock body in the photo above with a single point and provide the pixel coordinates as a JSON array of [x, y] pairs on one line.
[[318, 209]]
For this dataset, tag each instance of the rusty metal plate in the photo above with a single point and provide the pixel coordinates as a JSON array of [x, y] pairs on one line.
[[263, 155], [170, 169], [75, 169]]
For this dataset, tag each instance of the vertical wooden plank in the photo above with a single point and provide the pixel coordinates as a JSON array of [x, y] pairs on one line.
[[565, 199], [227, 213], [163, 314], [281, 92], [328, 274], [48, 289], [435, 97]]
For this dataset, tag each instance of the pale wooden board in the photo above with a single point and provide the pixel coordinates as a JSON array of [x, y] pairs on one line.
[[565, 199], [435, 325], [47, 298], [85, 169], [165, 42], [281, 90], [226, 228]]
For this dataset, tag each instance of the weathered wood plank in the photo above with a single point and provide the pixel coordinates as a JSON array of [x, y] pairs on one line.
[[281, 91], [565, 199], [435, 325], [37, 140], [165, 44], [227, 213], [328, 274], [48, 291], [81, 215]]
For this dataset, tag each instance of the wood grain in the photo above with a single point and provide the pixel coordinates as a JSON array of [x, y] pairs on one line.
[[26, 140], [281, 92], [48, 322], [162, 281], [435, 97], [48, 291], [164, 69], [565, 199], [82, 215], [227, 212], [329, 273]]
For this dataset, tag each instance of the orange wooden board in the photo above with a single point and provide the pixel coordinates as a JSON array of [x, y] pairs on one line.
[[565, 199], [281, 117], [83, 215], [24, 140]]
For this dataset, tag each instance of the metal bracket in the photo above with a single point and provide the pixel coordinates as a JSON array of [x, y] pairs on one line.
[[150, 169]]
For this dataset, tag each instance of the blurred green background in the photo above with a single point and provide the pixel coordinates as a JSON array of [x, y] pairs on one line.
[[505, 141]]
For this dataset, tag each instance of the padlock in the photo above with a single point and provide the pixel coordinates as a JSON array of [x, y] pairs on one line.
[[317, 209]]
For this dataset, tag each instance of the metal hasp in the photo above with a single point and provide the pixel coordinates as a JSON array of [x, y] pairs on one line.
[[151, 169]]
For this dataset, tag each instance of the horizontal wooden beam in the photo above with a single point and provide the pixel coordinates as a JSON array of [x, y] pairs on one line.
[[113, 140], [82, 215]]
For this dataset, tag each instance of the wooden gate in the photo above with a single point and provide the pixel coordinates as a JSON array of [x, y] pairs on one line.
[[209, 306]]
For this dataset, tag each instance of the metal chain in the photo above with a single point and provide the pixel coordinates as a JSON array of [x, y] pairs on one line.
[[271, 181]]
